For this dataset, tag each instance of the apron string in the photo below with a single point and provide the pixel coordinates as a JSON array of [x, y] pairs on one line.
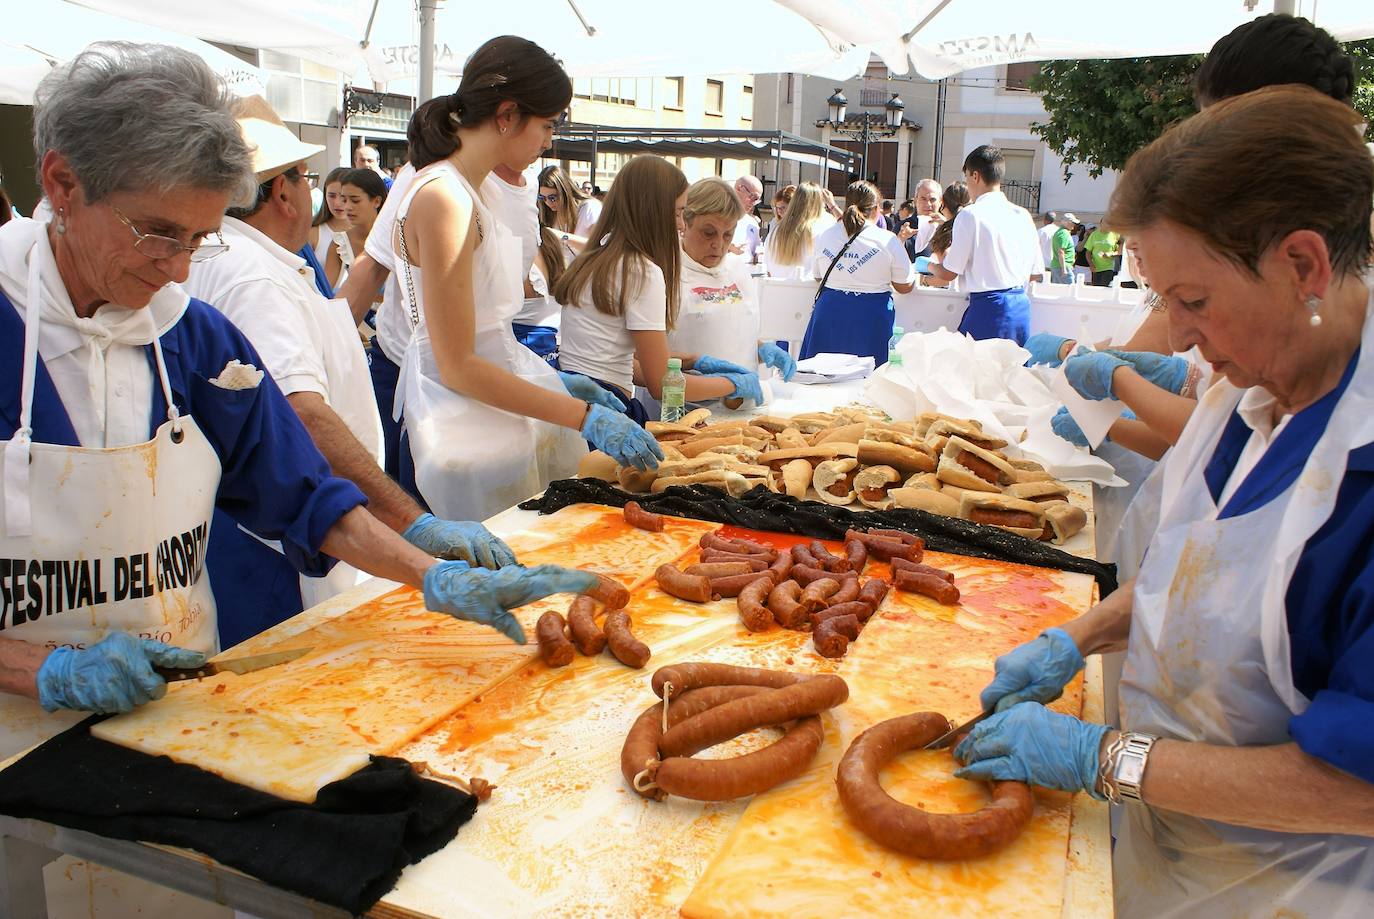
[[173, 413], [18, 502]]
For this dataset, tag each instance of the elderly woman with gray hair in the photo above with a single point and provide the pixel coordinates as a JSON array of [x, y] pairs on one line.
[[132, 416]]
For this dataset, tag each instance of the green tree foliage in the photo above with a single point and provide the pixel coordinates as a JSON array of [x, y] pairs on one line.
[[1103, 111]]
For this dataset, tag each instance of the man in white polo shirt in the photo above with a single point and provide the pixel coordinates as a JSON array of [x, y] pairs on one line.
[[995, 250]]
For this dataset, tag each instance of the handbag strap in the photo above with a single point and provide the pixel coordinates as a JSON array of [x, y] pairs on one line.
[[838, 255]]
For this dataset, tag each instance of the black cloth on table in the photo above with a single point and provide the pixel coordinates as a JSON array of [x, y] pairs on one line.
[[761, 509], [347, 849]]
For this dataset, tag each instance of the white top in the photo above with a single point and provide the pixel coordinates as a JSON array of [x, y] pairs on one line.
[[588, 213], [801, 272], [747, 237], [393, 326], [516, 207], [307, 343], [871, 264], [599, 345], [1046, 234], [925, 229], [1256, 409], [98, 365], [324, 239], [718, 312], [995, 245]]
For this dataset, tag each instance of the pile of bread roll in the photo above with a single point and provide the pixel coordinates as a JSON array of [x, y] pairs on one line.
[[855, 456]]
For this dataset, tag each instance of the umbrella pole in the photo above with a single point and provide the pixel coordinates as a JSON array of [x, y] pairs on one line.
[[428, 10]]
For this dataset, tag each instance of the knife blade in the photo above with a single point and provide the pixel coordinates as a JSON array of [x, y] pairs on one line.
[[947, 739], [239, 665]]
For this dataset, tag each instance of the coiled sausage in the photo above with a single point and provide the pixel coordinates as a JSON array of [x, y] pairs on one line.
[[808, 697]]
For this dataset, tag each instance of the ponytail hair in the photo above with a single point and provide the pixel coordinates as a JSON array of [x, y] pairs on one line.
[[860, 199], [505, 69], [1270, 51]]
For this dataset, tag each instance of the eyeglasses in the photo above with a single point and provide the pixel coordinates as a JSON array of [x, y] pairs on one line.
[[159, 247], [550, 198]]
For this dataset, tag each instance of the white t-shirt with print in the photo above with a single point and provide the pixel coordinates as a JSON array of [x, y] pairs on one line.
[[600, 345], [872, 263]]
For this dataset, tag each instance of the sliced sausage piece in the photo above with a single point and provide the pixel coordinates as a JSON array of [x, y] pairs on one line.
[[784, 602], [732, 585], [693, 587], [586, 634], [718, 569], [609, 592], [829, 642], [857, 554], [753, 605], [828, 560], [929, 585], [636, 516], [901, 564], [627, 649], [554, 646]]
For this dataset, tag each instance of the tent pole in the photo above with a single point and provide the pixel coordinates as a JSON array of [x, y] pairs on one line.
[[777, 166], [594, 139], [428, 9], [1286, 6]]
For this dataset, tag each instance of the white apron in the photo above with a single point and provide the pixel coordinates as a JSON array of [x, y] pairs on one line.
[[113, 539], [473, 460], [718, 313], [1208, 660]]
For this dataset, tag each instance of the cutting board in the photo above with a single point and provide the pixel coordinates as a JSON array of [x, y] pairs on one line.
[[379, 674], [564, 836]]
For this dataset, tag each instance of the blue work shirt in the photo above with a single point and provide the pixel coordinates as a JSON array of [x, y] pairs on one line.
[[273, 482], [1330, 598], [321, 279]]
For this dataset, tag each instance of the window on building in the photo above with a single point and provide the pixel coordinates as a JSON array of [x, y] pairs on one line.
[[613, 90], [1020, 165], [673, 93], [746, 112], [715, 97], [1018, 76]]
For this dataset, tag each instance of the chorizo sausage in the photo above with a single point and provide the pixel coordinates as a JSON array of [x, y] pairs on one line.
[[1003, 518], [554, 646], [848, 592], [884, 548], [899, 535], [730, 719], [929, 585], [636, 516], [857, 554], [693, 587], [609, 592], [817, 594], [749, 547], [828, 560], [848, 625], [801, 555], [586, 634], [828, 641], [627, 649], [753, 609], [640, 750], [718, 569], [784, 602], [750, 774], [805, 574], [679, 678], [910, 830], [873, 592], [901, 564], [980, 467], [755, 562], [859, 611], [739, 547], [782, 568], [731, 586]]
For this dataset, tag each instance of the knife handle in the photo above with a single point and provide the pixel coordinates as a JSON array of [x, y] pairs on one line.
[[176, 674]]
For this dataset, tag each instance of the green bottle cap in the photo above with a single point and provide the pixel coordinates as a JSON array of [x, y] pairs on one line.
[[674, 363]]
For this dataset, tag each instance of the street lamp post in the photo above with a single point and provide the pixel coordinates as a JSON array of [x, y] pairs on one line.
[[870, 126]]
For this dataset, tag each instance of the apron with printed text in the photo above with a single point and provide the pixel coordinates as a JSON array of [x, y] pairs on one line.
[[1209, 661], [94, 541]]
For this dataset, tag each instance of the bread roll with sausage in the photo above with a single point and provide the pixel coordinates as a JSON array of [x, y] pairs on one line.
[[1039, 492], [636, 480], [967, 466], [796, 478], [925, 499], [703, 463], [834, 480], [697, 417], [873, 483], [1025, 518], [1033, 475], [924, 480], [1026, 465], [813, 454], [732, 483], [700, 445], [597, 465], [790, 439], [1065, 521], [665, 430], [908, 461], [843, 434], [947, 428]]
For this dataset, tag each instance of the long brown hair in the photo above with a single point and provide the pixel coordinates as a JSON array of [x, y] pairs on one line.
[[954, 199], [638, 220], [860, 198], [794, 230], [553, 255], [570, 196]]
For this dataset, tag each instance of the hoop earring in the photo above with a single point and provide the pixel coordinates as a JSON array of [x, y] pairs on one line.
[[1314, 303]]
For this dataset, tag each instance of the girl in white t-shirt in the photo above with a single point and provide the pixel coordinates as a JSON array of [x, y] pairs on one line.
[[788, 251], [329, 220], [853, 314], [620, 296]]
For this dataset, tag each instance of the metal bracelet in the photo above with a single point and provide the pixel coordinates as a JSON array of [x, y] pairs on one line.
[[1106, 768]]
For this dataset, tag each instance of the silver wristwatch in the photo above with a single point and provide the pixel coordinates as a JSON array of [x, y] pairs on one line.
[[1123, 767]]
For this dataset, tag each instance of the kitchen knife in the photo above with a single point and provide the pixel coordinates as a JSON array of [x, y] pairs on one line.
[[239, 665], [947, 739]]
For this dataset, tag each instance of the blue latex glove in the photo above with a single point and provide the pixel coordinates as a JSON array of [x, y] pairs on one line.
[[1029, 743], [1044, 348], [1167, 371], [746, 386], [479, 595], [460, 540], [714, 366], [1037, 671], [1091, 373], [586, 389], [115, 675], [773, 356], [617, 436], [1063, 424]]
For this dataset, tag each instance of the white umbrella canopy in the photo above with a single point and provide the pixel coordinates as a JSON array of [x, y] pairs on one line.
[[945, 37], [51, 32]]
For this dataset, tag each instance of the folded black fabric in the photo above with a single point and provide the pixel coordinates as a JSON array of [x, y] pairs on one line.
[[761, 509], [347, 849]]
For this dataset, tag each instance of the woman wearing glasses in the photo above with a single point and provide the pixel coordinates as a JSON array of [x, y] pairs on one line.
[[130, 413], [563, 206]]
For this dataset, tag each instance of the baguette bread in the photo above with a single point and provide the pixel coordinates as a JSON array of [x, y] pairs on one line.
[[597, 465], [834, 480], [873, 483], [965, 465], [908, 461], [1041, 492], [925, 499], [1065, 521], [1025, 518]]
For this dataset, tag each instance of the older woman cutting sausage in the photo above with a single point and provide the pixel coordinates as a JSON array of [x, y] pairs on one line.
[[1245, 757], [130, 413]]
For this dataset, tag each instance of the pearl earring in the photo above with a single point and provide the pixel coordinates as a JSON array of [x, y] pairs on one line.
[[1313, 303], [61, 221]]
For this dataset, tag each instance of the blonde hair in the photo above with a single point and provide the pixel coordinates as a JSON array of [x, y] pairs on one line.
[[794, 230], [712, 197], [637, 221], [570, 199]]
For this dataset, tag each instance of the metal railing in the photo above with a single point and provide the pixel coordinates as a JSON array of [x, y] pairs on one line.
[[874, 98], [1026, 194]]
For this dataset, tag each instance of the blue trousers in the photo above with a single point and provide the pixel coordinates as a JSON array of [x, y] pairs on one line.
[[998, 314]]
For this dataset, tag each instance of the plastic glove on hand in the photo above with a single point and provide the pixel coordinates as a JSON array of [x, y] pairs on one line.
[[1063, 424], [1167, 371], [1037, 671], [1090, 374], [773, 356], [586, 389], [617, 436], [1044, 348], [113, 676], [458, 540], [715, 366], [1029, 743], [746, 386], [480, 595]]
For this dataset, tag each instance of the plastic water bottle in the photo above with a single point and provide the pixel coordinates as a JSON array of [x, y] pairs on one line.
[[674, 392], [894, 356]]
